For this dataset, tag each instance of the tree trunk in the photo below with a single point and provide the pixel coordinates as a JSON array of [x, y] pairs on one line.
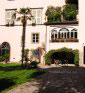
[[23, 40]]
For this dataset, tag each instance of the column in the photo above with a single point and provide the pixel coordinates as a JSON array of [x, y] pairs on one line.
[[69, 34], [47, 38], [73, 34]]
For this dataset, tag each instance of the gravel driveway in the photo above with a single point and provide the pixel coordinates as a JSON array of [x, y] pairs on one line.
[[56, 80]]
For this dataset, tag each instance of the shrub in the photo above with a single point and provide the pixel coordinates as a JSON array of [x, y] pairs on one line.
[[70, 12], [4, 58], [48, 57], [53, 14], [76, 59], [33, 64], [72, 2], [72, 56]]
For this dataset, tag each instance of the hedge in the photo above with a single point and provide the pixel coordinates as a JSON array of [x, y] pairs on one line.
[[4, 58], [64, 53]]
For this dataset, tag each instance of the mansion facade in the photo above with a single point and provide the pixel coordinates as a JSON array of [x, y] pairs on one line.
[[39, 33]]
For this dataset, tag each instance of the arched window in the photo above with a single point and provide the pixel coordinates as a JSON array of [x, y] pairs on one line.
[[5, 48], [63, 33], [74, 33], [54, 34]]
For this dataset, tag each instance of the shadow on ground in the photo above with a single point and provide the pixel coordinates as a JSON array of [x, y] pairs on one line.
[[13, 68], [62, 80], [6, 83]]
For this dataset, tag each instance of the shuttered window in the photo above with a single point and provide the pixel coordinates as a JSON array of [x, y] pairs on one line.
[[37, 15], [9, 16]]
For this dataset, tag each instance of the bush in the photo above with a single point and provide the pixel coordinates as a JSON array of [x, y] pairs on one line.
[[76, 59], [33, 64], [53, 14], [72, 56], [72, 2], [70, 12], [48, 57], [4, 58]]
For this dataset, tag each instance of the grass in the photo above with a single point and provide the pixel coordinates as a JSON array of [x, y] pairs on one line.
[[12, 75]]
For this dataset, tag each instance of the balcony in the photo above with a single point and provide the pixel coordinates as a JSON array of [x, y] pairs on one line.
[[65, 40]]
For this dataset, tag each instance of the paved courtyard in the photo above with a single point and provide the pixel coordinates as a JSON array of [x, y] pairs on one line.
[[66, 79]]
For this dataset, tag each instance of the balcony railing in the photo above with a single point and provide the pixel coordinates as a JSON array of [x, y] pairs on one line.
[[65, 40]]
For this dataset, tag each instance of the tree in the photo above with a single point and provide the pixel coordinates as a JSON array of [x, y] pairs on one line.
[[72, 2], [69, 12], [25, 14], [53, 14]]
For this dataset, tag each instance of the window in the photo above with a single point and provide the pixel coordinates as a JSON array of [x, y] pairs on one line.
[[74, 33], [9, 16], [35, 38], [64, 35], [54, 35], [5, 48], [37, 15]]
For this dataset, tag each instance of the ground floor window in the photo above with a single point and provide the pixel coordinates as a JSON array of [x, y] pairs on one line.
[[35, 37]]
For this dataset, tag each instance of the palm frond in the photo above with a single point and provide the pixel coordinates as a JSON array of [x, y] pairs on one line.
[[14, 15], [19, 18], [17, 12], [24, 11], [28, 11], [29, 18], [25, 14]]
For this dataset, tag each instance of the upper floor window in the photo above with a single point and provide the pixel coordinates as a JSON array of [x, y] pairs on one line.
[[64, 35], [35, 38], [9, 16], [37, 15]]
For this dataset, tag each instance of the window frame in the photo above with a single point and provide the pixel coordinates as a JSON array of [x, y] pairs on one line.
[[36, 17], [35, 38], [64, 35], [10, 18]]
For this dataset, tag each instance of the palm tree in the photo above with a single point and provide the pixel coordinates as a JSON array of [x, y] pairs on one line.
[[25, 14]]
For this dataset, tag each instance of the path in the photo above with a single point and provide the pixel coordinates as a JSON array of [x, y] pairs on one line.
[[56, 80]]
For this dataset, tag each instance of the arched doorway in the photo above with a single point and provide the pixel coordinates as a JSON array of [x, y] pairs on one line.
[[5, 50]]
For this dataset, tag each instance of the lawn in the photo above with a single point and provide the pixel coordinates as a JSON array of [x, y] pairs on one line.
[[12, 75]]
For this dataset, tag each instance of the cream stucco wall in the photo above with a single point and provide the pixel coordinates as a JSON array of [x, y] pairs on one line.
[[12, 35], [50, 45], [17, 4], [81, 30]]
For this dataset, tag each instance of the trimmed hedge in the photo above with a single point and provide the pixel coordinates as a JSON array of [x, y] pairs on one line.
[[62, 54], [76, 60], [48, 57], [4, 58]]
